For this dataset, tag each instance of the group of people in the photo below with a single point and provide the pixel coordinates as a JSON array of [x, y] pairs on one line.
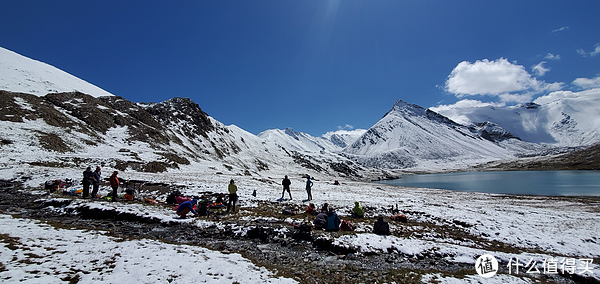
[[327, 219], [286, 187], [93, 179], [187, 206]]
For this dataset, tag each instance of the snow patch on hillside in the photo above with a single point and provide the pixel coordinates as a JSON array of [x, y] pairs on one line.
[[21, 74]]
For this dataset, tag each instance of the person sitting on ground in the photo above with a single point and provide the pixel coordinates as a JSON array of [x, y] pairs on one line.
[[219, 199], [357, 212], [311, 209], [187, 207], [320, 221], [128, 194], [333, 221], [325, 208], [381, 227]]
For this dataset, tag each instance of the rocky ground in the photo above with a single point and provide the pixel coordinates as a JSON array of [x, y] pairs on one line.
[[308, 257]]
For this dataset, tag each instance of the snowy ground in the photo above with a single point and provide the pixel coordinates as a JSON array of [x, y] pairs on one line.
[[456, 226], [34, 252]]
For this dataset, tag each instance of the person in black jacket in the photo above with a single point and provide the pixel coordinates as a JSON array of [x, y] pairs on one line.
[[286, 186], [381, 227], [320, 221], [96, 175], [87, 181]]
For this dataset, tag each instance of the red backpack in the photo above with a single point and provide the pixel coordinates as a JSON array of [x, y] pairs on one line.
[[346, 226]]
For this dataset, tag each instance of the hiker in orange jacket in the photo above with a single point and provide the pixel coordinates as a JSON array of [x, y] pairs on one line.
[[114, 183]]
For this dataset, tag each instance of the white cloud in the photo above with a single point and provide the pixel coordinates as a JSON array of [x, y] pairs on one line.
[[346, 127], [561, 29], [595, 52], [551, 56], [540, 69], [508, 81], [560, 95], [456, 111], [554, 96], [586, 83]]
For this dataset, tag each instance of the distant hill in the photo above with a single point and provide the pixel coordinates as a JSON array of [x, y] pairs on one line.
[[581, 159]]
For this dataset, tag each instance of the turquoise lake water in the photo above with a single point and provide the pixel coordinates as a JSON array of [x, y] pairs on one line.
[[566, 183]]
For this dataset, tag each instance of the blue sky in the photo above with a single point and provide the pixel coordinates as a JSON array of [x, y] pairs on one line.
[[315, 66]]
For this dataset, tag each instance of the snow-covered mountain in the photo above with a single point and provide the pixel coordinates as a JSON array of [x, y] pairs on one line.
[[21, 74], [75, 129], [559, 119], [42, 125], [334, 141], [410, 136]]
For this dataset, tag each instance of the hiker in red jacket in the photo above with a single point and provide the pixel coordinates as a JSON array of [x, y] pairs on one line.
[[114, 183]]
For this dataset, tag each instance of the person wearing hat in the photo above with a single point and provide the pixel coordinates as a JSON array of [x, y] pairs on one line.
[[187, 207]]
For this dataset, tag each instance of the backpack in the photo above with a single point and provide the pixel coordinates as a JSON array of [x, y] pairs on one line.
[[346, 226], [400, 218]]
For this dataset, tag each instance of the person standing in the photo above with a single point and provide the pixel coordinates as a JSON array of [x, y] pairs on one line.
[[87, 179], [286, 186], [114, 183], [309, 185], [96, 182], [232, 195]]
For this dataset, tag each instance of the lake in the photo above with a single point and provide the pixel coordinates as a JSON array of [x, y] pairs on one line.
[[567, 183]]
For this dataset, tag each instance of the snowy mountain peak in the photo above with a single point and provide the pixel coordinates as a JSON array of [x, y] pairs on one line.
[[406, 108], [291, 133], [24, 75]]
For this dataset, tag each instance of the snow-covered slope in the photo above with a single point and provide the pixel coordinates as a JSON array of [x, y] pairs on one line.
[[21, 74], [297, 141], [343, 138], [334, 141], [410, 136], [558, 119]]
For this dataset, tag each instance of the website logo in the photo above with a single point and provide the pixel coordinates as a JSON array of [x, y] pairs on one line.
[[486, 266]]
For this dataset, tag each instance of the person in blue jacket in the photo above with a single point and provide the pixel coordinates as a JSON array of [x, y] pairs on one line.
[[333, 221], [187, 207]]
